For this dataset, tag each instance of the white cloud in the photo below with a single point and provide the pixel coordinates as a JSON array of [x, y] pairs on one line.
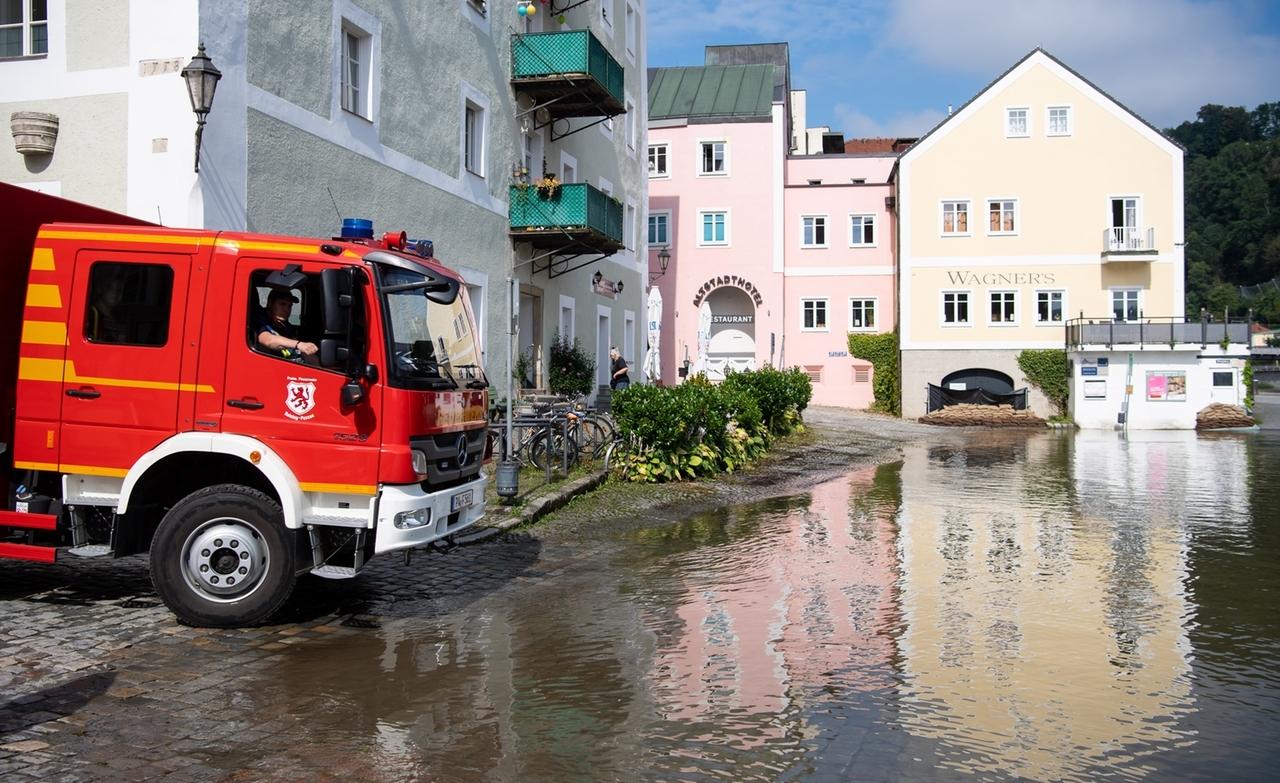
[[1161, 58], [857, 125]]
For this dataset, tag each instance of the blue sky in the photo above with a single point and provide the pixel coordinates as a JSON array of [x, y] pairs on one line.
[[891, 67]]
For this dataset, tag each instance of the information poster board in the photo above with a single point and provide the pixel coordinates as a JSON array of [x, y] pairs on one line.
[[1167, 385]]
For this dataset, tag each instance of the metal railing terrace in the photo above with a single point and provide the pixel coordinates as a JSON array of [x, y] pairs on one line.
[[1165, 332]]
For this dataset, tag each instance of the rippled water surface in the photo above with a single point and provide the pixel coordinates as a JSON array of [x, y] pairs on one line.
[[1040, 607]]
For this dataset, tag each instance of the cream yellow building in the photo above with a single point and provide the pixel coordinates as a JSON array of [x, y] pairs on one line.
[[1040, 200]]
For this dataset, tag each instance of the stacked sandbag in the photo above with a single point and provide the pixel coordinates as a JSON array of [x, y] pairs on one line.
[[1219, 416], [967, 415]]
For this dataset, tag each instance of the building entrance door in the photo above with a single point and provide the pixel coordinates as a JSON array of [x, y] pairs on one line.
[[733, 332]]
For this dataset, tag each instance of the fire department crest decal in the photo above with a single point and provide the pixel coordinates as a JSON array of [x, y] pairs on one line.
[[300, 398]]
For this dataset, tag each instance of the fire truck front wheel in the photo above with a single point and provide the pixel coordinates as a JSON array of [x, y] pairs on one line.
[[222, 557]]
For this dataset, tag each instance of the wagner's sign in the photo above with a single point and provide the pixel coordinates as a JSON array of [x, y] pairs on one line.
[[733, 319], [726, 280], [1001, 278]]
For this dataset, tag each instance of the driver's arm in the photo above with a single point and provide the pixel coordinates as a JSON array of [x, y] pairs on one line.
[[276, 342]]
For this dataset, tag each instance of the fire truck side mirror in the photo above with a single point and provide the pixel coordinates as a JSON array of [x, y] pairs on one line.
[[338, 285], [352, 394], [334, 353]]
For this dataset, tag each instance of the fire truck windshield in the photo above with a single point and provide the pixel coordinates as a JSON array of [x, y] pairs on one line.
[[432, 345]]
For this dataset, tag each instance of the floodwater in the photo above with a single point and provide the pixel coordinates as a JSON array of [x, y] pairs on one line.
[[1049, 606]]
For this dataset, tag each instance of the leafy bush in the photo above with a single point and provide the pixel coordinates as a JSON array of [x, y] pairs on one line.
[[882, 351], [572, 369], [698, 428], [1047, 371]]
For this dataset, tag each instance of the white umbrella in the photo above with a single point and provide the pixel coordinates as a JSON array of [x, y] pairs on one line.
[[704, 336], [653, 359]]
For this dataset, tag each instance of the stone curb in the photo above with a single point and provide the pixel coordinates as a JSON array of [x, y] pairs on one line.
[[536, 509]]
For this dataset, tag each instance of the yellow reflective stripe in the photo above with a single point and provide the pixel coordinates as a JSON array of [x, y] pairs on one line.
[[43, 295], [110, 236], [341, 489], [94, 470], [35, 465], [33, 369], [235, 246], [44, 332], [42, 260]]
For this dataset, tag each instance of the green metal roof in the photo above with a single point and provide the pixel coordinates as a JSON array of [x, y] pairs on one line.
[[711, 91]]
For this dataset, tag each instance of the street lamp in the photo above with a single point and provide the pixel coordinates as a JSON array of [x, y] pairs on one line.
[[202, 79], [664, 258]]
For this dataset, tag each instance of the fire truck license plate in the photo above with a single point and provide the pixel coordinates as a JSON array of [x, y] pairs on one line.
[[461, 500]]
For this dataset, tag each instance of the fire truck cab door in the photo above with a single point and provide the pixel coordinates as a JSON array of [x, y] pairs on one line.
[[121, 379], [284, 397]]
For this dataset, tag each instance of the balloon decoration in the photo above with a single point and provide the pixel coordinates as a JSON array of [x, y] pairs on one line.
[[530, 7]]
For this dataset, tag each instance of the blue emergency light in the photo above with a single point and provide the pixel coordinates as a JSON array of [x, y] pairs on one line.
[[357, 228]]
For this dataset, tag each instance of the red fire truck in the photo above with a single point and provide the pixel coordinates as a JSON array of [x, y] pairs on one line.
[[248, 408]]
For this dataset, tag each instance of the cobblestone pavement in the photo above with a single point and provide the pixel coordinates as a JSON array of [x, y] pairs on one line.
[[98, 681]]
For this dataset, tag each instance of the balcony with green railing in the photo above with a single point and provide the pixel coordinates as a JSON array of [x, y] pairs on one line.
[[575, 213], [571, 73]]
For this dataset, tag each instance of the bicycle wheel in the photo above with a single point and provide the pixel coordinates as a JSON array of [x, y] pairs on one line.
[[593, 437], [552, 446]]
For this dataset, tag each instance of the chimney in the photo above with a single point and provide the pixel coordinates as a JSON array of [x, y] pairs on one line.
[[948, 110]]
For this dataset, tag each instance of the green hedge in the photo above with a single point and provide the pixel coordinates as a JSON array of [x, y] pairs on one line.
[[1047, 371], [698, 428], [882, 351]]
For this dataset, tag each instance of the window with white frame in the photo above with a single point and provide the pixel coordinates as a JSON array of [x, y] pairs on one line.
[[479, 6], [1050, 307], [606, 14], [1124, 304], [356, 70], [657, 160], [567, 308], [712, 160], [955, 308], [632, 32], [1004, 308], [955, 218], [631, 126], [568, 168], [1017, 122], [715, 228], [813, 315], [659, 228], [1002, 217], [629, 227], [1059, 121], [862, 230], [473, 139], [862, 315], [24, 28], [814, 231]]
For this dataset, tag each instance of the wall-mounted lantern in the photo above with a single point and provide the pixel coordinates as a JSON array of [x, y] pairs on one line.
[[202, 79]]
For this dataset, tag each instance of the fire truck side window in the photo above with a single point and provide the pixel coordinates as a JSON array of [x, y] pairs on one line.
[[128, 304], [299, 319]]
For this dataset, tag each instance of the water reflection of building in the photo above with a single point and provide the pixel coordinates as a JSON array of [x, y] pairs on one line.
[[803, 601], [1043, 633]]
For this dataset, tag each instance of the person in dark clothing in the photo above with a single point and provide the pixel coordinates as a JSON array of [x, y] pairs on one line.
[[620, 378], [275, 335]]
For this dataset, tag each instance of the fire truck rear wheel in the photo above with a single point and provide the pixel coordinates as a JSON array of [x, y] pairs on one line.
[[222, 557]]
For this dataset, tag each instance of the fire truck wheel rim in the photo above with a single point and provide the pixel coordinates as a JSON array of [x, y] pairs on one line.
[[225, 559]]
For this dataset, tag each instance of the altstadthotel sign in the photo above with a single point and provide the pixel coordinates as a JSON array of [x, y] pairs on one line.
[[726, 280]]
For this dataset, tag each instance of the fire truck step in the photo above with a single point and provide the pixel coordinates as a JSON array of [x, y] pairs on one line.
[[91, 550], [35, 554], [335, 572], [28, 521]]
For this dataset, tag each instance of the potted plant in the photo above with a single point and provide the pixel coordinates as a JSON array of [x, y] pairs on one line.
[[548, 186]]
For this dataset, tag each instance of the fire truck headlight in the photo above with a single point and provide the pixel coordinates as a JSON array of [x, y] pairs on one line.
[[419, 462], [407, 520]]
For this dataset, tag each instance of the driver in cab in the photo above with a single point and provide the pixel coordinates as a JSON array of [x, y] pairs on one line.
[[275, 334]]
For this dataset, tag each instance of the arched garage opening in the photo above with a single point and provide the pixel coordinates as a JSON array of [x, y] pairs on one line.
[[976, 386]]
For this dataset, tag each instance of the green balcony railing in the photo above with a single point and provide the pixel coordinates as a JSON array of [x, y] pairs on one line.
[[575, 206], [544, 55]]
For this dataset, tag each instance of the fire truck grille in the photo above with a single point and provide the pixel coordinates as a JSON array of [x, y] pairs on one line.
[[452, 459]]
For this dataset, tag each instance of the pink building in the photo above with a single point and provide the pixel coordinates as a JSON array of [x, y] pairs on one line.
[[788, 252]]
